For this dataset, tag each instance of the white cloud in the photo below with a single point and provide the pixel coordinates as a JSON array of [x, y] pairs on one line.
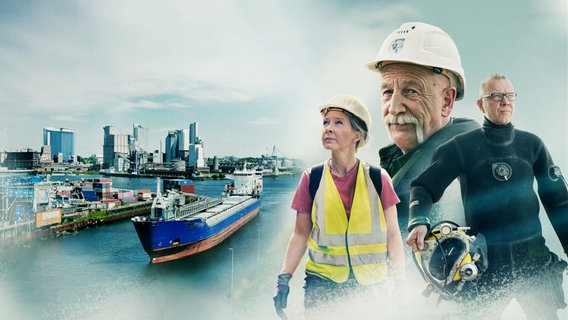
[[84, 65], [67, 117], [264, 121]]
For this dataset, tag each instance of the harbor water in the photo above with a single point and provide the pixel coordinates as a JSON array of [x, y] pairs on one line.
[[103, 272]]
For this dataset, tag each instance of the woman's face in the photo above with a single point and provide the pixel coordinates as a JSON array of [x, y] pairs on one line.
[[337, 133]]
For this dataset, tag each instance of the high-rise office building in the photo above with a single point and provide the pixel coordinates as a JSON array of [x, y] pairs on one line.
[[177, 145], [61, 141], [171, 145], [115, 146], [185, 144], [193, 134], [142, 137], [195, 157]]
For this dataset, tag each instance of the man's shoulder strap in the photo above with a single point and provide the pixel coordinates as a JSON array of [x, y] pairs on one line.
[[317, 171]]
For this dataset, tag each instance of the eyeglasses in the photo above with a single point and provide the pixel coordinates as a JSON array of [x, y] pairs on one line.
[[511, 96]]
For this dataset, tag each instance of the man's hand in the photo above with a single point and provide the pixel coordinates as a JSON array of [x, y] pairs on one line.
[[416, 237]]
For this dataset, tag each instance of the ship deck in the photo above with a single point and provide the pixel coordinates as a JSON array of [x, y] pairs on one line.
[[229, 205]]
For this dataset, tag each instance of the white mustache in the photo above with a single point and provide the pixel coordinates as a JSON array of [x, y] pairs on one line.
[[405, 118]]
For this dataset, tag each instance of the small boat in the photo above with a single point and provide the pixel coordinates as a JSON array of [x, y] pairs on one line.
[[182, 224]]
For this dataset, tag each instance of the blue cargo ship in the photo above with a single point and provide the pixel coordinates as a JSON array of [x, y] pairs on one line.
[[181, 224]]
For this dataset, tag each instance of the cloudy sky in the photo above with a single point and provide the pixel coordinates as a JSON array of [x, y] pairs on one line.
[[251, 73]]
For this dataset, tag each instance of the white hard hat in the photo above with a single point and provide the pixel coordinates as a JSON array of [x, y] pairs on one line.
[[422, 44], [354, 106]]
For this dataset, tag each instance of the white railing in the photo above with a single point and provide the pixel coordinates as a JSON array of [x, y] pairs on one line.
[[197, 206]]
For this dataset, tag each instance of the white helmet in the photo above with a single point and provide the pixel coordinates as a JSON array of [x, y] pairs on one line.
[[354, 106], [422, 44]]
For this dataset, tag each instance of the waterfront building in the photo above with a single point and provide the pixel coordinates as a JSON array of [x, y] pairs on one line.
[[185, 144], [125, 152], [115, 146], [142, 137], [171, 145], [45, 157], [215, 166], [177, 145], [195, 158], [156, 157], [22, 160], [61, 141], [193, 134], [46, 152]]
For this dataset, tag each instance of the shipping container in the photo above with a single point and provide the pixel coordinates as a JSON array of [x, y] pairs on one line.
[[177, 184], [188, 188], [90, 195]]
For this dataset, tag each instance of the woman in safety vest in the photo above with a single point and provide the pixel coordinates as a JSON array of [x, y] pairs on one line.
[[346, 217]]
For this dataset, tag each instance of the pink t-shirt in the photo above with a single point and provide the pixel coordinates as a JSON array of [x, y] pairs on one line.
[[302, 201]]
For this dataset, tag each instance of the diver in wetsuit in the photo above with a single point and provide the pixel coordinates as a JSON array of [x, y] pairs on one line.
[[497, 166]]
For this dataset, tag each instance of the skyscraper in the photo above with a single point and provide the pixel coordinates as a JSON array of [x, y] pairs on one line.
[[195, 158], [185, 144], [61, 141], [193, 135], [141, 136], [177, 145], [115, 146]]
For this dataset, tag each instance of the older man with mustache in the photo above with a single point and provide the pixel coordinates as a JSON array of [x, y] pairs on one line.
[[421, 78]]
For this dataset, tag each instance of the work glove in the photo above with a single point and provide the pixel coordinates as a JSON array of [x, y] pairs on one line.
[[281, 297]]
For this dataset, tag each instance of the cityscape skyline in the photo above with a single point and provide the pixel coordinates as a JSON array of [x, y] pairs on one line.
[[251, 77], [124, 151]]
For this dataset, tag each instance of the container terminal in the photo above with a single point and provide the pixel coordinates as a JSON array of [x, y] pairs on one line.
[[31, 207]]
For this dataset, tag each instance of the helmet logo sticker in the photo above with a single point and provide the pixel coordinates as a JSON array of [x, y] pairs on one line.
[[554, 172], [502, 171], [397, 45]]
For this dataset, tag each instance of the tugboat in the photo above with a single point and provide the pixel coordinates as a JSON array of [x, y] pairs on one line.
[[182, 224]]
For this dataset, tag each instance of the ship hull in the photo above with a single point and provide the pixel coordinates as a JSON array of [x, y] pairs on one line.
[[174, 239]]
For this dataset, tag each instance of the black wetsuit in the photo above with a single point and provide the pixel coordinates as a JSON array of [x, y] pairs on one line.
[[403, 168], [497, 167]]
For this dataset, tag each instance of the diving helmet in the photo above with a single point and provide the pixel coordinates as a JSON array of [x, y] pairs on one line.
[[451, 259]]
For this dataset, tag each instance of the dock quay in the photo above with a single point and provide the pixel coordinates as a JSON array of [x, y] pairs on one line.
[[108, 216], [25, 231], [31, 207]]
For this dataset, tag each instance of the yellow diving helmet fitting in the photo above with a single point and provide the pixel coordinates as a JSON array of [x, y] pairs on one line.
[[451, 259]]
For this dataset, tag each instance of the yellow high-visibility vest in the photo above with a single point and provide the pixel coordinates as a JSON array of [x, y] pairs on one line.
[[339, 244]]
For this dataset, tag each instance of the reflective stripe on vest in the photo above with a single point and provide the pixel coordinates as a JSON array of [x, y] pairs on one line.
[[338, 243]]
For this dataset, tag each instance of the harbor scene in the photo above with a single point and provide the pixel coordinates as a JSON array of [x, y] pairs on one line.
[[150, 151], [104, 273]]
